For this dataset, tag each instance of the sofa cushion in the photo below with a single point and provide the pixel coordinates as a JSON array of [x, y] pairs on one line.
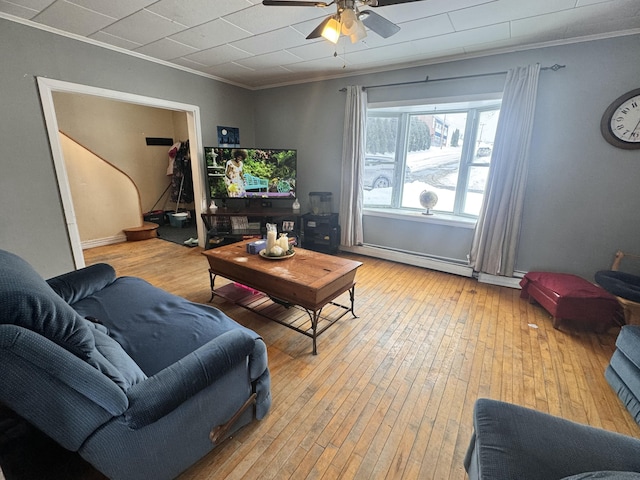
[[76, 285], [153, 326], [110, 359], [27, 300], [628, 341], [605, 475]]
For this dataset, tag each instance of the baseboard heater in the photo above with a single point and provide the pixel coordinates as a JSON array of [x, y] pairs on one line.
[[440, 264]]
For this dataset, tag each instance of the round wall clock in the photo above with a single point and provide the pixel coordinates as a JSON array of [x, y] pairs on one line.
[[620, 124]]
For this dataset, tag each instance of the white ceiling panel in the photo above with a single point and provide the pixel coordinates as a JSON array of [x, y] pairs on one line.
[[210, 34], [218, 55], [259, 19], [114, 8], [250, 44], [504, 11], [271, 41], [196, 12], [72, 18], [144, 27], [17, 10], [166, 49], [281, 57], [109, 39], [38, 5]]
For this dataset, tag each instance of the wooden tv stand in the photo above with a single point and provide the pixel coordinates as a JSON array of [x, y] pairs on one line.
[[218, 224]]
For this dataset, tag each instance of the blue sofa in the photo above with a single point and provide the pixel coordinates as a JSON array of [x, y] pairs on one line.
[[139, 382], [623, 371], [512, 442]]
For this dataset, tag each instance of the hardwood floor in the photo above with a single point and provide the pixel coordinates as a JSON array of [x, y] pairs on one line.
[[390, 394]]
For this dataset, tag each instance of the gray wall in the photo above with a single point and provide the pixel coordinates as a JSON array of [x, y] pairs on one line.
[[581, 201], [581, 204], [31, 219]]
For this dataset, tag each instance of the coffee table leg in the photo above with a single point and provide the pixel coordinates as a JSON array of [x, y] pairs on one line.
[[352, 297], [212, 279], [314, 328]]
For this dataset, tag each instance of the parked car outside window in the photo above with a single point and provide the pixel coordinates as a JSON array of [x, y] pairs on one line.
[[483, 152], [378, 172]]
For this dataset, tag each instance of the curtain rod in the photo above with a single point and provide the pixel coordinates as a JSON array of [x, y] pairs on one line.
[[555, 68]]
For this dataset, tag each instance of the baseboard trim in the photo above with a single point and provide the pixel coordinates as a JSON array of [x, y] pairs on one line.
[[100, 242], [440, 265]]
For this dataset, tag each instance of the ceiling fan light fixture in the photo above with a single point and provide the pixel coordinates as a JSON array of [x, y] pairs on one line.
[[331, 30], [359, 32], [349, 21]]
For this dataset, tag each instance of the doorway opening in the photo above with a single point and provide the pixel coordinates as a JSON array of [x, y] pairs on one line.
[[48, 86]]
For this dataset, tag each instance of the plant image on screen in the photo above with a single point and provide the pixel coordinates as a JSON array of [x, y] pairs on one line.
[[251, 172]]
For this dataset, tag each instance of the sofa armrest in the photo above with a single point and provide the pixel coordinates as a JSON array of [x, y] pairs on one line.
[[78, 284], [160, 394], [510, 442]]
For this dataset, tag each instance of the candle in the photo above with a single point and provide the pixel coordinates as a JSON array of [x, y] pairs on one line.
[[271, 239], [283, 241]]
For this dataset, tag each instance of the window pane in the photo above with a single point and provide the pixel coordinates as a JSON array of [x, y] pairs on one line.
[[434, 165], [380, 161], [483, 145], [475, 189]]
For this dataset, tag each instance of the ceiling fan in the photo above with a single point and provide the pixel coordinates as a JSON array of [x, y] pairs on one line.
[[348, 19]]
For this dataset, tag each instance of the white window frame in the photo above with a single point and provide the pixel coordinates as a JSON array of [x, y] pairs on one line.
[[473, 106]]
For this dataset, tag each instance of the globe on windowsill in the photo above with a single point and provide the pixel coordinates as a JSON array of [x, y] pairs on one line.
[[428, 200]]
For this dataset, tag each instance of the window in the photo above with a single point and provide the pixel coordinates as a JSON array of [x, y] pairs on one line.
[[444, 148]]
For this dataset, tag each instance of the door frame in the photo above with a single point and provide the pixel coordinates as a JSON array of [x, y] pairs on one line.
[[47, 86]]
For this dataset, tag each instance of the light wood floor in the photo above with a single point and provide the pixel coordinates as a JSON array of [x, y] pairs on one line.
[[390, 394]]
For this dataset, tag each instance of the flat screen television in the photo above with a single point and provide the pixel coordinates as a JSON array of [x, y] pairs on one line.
[[251, 172]]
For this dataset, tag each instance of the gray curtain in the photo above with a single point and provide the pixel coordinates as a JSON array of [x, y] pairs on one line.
[[495, 239], [353, 149]]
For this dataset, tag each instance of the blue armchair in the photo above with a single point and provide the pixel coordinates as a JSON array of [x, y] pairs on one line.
[[139, 382], [513, 442]]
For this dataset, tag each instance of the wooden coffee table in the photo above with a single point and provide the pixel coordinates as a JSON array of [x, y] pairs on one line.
[[309, 281]]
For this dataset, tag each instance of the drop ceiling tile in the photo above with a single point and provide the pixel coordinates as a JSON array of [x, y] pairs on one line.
[[72, 18], [405, 12], [34, 4], [504, 11], [260, 19], [166, 49], [280, 39], [229, 69], [210, 34], [281, 57], [185, 62], [492, 33], [17, 10], [114, 8], [328, 65], [574, 19], [196, 12], [218, 55], [144, 27], [581, 30], [113, 40], [314, 49]]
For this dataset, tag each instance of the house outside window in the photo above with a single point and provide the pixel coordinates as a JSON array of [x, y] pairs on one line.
[[444, 148]]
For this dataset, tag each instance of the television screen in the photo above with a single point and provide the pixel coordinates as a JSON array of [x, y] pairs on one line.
[[251, 172]]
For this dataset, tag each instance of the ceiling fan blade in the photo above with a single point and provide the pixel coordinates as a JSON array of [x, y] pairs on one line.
[[384, 3], [317, 32], [293, 3], [378, 24]]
